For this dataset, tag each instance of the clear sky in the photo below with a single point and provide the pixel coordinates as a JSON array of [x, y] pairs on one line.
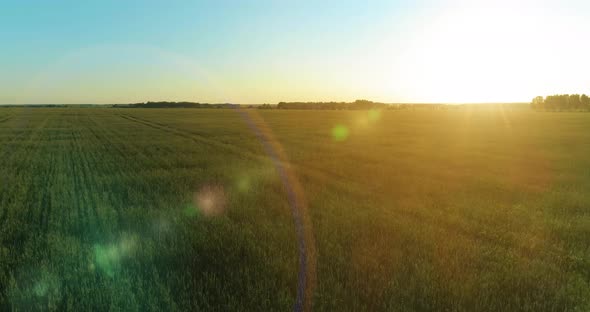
[[268, 51]]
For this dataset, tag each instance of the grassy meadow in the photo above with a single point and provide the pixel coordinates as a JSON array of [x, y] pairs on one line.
[[183, 209]]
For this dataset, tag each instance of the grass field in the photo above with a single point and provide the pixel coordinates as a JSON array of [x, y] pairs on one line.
[[173, 209]]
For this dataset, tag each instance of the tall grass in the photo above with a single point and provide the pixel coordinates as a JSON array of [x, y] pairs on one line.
[[466, 210]]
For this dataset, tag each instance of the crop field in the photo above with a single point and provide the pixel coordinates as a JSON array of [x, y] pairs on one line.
[[192, 209]]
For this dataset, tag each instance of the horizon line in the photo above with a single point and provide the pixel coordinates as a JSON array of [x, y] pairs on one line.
[[266, 103]]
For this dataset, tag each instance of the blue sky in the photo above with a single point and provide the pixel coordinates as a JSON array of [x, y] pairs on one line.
[[270, 51]]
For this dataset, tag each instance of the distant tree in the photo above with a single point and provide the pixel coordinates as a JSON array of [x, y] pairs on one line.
[[565, 102], [538, 103], [585, 102], [557, 102], [562, 102], [550, 102], [574, 102]]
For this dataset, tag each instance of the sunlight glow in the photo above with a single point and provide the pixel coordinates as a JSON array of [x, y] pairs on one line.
[[441, 51], [482, 51]]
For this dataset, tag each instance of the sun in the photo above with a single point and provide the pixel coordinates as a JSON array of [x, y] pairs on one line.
[[490, 53]]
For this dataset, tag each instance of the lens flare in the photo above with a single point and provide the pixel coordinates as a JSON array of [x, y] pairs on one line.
[[244, 183], [373, 115], [108, 258], [306, 278], [38, 287], [190, 210], [48, 285], [210, 200], [340, 133]]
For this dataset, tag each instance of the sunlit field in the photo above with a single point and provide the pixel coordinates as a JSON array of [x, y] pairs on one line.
[[186, 209]]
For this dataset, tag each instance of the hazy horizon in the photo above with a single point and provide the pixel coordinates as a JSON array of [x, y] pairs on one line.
[[202, 102], [401, 51]]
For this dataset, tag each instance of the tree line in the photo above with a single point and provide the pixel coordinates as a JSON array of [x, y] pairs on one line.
[[538, 103], [175, 105], [562, 102], [357, 105]]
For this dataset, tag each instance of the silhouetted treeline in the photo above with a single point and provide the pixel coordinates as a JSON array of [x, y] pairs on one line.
[[359, 105], [562, 102], [356, 105], [44, 105], [176, 105]]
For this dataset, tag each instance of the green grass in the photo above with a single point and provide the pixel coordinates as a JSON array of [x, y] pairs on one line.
[[464, 210]]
